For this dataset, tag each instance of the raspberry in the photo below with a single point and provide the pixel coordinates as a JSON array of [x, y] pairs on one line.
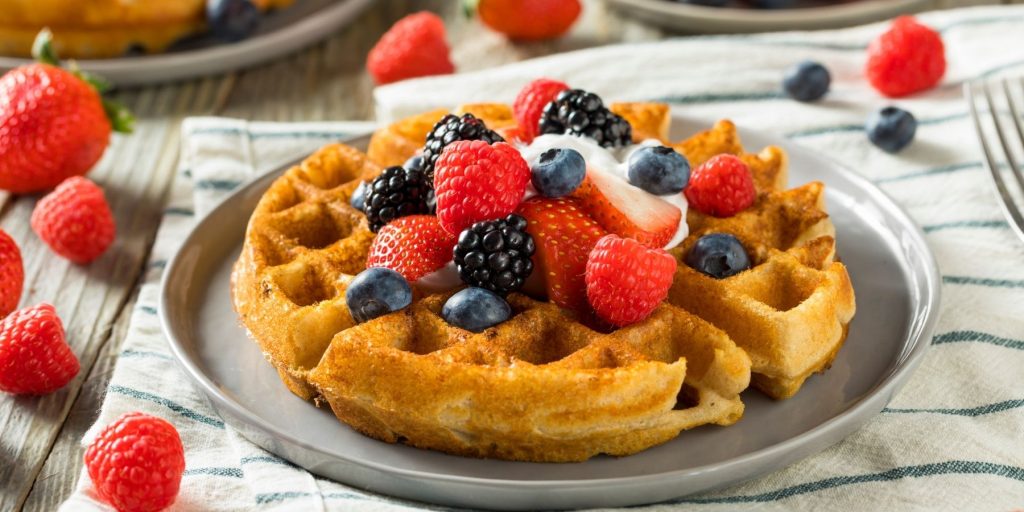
[[34, 357], [414, 46], [626, 281], [530, 102], [907, 58], [722, 187], [477, 181], [136, 463], [12, 274], [413, 246], [75, 220]]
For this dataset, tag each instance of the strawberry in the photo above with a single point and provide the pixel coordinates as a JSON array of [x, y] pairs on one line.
[[626, 281], [628, 211], [75, 220], [528, 20], [34, 357], [12, 274], [530, 103], [413, 246], [722, 186], [564, 235], [53, 123], [414, 46], [476, 181]]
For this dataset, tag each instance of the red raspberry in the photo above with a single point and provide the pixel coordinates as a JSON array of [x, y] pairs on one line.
[[530, 102], [34, 357], [413, 246], [907, 58], [414, 46], [75, 220], [136, 463], [12, 274], [626, 280], [722, 186], [477, 181]]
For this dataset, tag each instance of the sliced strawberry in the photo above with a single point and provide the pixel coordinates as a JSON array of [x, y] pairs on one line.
[[564, 235], [628, 211], [413, 246]]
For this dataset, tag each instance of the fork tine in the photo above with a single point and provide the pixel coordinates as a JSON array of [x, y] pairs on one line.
[[1010, 209], [1017, 171]]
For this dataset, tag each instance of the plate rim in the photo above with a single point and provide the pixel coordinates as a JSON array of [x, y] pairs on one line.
[[875, 398]]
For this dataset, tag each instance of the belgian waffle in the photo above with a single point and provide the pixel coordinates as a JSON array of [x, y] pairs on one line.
[[540, 386]]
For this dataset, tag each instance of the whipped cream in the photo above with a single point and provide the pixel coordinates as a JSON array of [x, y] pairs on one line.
[[440, 280]]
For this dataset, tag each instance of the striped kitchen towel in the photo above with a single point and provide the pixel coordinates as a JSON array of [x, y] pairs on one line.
[[953, 439]]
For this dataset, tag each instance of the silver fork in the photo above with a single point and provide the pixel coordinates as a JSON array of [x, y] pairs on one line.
[[1006, 200]]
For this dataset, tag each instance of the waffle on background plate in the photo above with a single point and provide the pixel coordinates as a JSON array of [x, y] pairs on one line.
[[95, 29], [541, 386]]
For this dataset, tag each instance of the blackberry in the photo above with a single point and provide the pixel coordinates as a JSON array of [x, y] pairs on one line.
[[397, 192], [450, 129], [495, 254], [578, 112]]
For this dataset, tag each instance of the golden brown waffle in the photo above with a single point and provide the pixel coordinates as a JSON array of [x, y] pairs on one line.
[[95, 29]]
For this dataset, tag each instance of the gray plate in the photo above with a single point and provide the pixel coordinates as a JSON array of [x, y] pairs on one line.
[[703, 20], [893, 272], [281, 32]]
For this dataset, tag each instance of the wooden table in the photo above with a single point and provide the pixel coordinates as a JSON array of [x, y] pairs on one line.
[[40, 456]]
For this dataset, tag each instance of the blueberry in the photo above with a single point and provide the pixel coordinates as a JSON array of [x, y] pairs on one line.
[[232, 20], [806, 81], [718, 255], [414, 163], [558, 172], [891, 128], [375, 292], [358, 196], [475, 309], [659, 170]]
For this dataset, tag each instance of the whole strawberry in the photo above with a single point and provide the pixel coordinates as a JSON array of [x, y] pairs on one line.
[[413, 246], [53, 123], [414, 46], [35, 359], [12, 274], [136, 463], [75, 220], [529, 20], [626, 281], [722, 186], [476, 181], [530, 102], [907, 58]]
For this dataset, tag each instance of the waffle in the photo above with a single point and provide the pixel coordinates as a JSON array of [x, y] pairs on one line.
[[541, 386], [93, 29]]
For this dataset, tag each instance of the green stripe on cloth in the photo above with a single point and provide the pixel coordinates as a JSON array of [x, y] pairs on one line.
[[981, 410], [721, 97], [227, 472], [217, 184], [174, 406], [945, 169], [994, 224], [144, 354], [846, 128], [983, 281], [979, 337]]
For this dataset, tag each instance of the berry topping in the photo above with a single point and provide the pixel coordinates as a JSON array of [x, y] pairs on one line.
[[136, 463], [34, 357], [414, 163], [806, 81], [413, 246], [358, 199], [582, 113], [530, 102], [564, 235], [659, 170], [232, 20], [376, 292], [477, 181], [452, 128], [891, 129], [559, 172], [722, 187], [75, 220], [718, 255], [907, 58], [414, 46], [475, 309], [12, 274], [396, 192], [626, 281], [496, 254], [628, 211], [529, 20]]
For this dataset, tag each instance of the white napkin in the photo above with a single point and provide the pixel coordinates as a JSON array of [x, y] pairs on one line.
[[951, 440]]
